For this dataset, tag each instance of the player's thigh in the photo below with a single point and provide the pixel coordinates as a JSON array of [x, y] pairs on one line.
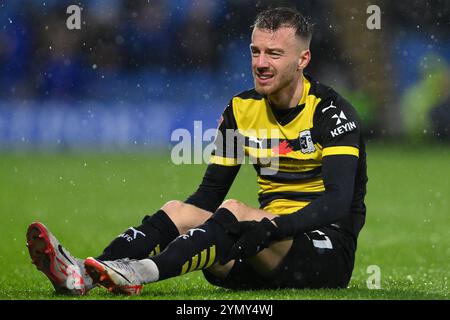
[[265, 262], [269, 259], [244, 212]]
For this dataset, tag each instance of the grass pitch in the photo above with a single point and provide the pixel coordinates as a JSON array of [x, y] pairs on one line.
[[88, 199]]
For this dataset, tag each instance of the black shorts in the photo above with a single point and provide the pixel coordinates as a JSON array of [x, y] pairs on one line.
[[318, 259]]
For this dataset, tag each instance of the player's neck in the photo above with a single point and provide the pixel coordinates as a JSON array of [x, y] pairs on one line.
[[288, 97]]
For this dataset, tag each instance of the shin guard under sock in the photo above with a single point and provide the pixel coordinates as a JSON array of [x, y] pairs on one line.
[[148, 239], [198, 249]]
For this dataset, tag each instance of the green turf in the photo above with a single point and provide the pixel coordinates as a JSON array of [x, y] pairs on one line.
[[87, 199]]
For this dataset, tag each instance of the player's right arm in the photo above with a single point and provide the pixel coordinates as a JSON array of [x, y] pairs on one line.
[[222, 168]]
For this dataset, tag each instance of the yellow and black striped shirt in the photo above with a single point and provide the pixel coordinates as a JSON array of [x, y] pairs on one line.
[[324, 124], [287, 148]]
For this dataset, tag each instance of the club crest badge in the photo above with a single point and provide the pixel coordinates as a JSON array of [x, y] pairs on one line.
[[306, 143]]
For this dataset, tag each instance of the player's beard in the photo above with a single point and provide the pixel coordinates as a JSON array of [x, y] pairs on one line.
[[280, 81]]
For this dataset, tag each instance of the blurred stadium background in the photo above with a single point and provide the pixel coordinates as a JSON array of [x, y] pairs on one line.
[[86, 118], [138, 69]]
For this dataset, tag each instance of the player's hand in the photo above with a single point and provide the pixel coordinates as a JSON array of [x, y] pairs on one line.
[[252, 236]]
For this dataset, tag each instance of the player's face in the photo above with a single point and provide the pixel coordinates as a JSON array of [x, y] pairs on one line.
[[277, 62]]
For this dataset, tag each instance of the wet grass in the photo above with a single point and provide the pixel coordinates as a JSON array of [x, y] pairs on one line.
[[87, 199]]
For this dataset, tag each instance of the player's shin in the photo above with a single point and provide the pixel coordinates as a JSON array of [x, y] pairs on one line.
[[198, 249], [148, 239]]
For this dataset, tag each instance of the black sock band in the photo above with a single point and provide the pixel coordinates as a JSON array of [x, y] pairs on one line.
[[150, 238]]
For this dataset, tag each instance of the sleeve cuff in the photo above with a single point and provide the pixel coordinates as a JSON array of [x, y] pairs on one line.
[[223, 161], [341, 150]]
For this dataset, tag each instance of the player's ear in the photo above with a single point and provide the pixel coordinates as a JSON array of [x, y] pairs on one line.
[[303, 61]]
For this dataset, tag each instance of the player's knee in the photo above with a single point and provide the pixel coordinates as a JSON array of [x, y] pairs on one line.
[[173, 207], [236, 207], [231, 204], [184, 216]]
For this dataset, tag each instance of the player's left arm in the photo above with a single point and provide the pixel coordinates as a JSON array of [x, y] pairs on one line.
[[339, 177], [338, 130]]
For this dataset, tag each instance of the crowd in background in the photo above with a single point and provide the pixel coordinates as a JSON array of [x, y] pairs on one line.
[[197, 50]]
